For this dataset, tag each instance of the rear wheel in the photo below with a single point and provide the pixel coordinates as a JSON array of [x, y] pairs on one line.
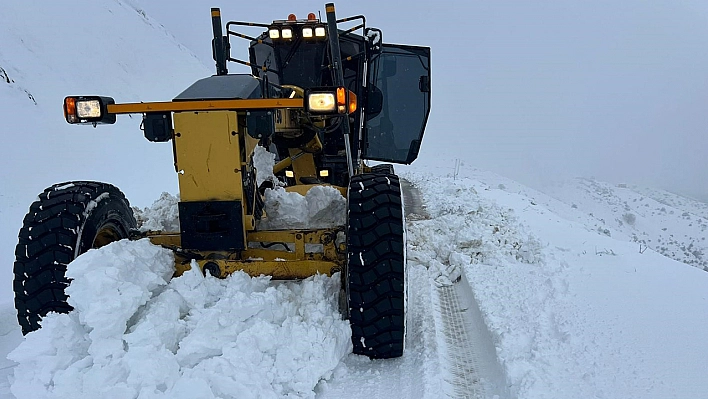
[[376, 265], [67, 220]]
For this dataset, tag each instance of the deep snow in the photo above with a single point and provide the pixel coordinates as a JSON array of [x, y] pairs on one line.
[[571, 312]]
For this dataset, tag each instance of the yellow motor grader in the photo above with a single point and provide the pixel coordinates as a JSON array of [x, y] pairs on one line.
[[323, 96]]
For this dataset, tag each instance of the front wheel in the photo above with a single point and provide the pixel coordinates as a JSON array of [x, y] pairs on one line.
[[376, 265], [65, 221]]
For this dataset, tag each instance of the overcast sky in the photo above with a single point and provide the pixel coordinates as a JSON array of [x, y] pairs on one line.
[[536, 90]]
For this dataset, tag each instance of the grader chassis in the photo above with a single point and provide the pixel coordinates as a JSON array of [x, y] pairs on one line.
[[323, 98]]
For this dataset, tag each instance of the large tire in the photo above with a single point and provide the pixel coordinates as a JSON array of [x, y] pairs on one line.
[[66, 220], [376, 266]]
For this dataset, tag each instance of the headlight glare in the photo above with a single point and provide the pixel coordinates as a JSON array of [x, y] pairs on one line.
[[321, 102]]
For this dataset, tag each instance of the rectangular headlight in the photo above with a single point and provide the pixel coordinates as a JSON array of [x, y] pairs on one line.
[[320, 31], [88, 109], [321, 102], [307, 32]]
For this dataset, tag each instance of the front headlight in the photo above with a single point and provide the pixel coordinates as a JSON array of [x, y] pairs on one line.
[[330, 101], [88, 109], [320, 31], [287, 33], [307, 32], [321, 102]]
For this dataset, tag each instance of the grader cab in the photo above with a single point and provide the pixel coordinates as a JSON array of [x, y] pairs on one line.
[[322, 98]]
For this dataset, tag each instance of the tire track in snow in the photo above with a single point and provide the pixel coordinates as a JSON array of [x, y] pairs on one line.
[[467, 352], [467, 349]]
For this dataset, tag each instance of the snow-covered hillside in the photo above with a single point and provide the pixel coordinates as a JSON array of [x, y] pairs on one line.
[[49, 50], [670, 224]]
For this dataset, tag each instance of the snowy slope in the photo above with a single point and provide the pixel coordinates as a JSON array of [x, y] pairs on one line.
[[667, 223], [49, 50]]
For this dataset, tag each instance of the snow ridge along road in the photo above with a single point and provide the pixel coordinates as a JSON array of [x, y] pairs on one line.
[[467, 353]]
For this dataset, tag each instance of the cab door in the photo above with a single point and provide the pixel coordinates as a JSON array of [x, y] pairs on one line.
[[398, 103]]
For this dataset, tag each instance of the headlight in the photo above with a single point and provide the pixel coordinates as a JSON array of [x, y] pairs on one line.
[[321, 102], [320, 31], [88, 109], [287, 33], [330, 100], [274, 33], [307, 32]]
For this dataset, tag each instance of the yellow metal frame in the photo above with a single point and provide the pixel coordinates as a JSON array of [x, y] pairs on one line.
[[205, 105], [291, 259]]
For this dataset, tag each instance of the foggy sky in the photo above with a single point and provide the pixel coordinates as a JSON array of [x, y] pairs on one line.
[[536, 91]]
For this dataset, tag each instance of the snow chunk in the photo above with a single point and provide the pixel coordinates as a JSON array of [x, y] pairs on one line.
[[263, 161], [133, 334], [321, 207], [163, 215]]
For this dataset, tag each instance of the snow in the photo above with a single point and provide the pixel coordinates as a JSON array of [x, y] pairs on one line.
[[264, 161], [320, 207], [136, 333], [584, 289], [566, 310], [574, 313], [162, 215], [51, 50]]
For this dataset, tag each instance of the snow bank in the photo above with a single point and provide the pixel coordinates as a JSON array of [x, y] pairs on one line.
[[136, 334]]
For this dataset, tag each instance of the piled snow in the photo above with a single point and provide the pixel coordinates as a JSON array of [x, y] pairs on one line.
[[163, 215], [321, 207], [136, 334]]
